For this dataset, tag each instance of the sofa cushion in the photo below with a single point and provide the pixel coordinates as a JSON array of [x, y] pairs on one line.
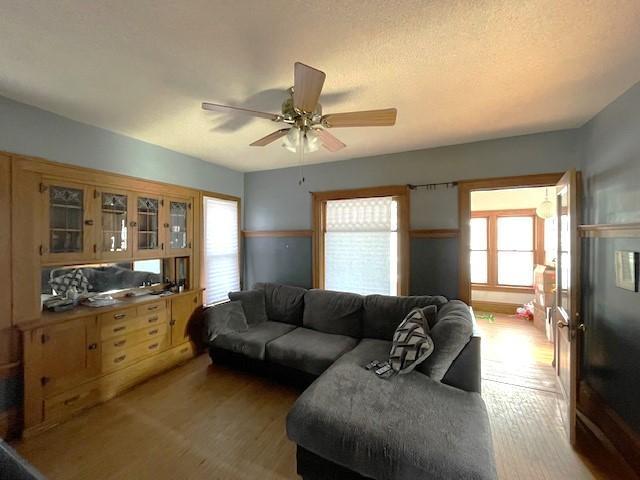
[[452, 331], [401, 428], [382, 314], [253, 305], [411, 341], [308, 350], [252, 343], [284, 303], [223, 318], [333, 312]]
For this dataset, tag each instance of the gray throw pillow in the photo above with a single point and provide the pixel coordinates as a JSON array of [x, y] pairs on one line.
[[224, 318], [411, 341], [253, 304]]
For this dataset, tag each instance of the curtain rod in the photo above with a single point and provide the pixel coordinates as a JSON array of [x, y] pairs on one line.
[[432, 186]]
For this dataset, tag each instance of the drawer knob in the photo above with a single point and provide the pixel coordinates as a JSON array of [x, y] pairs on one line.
[[119, 329], [119, 359], [120, 343], [93, 346], [172, 322], [153, 332], [153, 346], [119, 316], [153, 319], [151, 308]]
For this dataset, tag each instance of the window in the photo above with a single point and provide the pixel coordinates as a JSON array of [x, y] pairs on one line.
[[505, 246], [361, 241], [221, 272]]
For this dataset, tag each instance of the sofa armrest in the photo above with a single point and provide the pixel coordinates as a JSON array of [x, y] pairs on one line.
[[465, 372]]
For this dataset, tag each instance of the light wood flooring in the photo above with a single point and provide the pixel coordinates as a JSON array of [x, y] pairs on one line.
[[208, 422]]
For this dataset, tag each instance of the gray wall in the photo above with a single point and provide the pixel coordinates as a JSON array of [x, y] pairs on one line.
[[30, 131], [611, 173], [275, 201]]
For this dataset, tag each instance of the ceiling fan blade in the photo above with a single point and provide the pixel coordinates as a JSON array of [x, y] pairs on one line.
[[330, 142], [272, 137], [216, 107], [367, 118], [307, 86]]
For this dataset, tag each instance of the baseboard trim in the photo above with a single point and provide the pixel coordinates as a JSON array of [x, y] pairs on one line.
[[600, 416], [495, 307]]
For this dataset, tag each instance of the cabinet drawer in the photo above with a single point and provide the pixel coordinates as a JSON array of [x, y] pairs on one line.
[[65, 404], [124, 342], [117, 317], [131, 324], [150, 308], [120, 358]]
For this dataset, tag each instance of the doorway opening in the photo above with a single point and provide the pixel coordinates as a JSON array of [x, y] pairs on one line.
[[512, 249]]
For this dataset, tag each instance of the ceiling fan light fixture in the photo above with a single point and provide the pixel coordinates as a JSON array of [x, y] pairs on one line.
[[296, 137]]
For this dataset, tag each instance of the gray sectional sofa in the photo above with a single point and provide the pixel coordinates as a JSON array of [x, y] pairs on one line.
[[350, 424]]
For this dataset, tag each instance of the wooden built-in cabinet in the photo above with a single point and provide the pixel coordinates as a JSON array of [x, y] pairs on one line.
[[61, 216], [76, 359], [82, 223]]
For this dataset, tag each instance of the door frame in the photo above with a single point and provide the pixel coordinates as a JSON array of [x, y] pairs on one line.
[[465, 187]]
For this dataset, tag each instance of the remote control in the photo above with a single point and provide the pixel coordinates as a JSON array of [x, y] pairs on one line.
[[371, 365], [384, 369]]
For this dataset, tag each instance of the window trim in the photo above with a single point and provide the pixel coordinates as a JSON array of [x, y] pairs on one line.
[[492, 247], [318, 212], [198, 261]]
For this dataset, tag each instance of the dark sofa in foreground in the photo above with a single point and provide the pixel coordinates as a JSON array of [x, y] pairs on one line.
[[350, 424]]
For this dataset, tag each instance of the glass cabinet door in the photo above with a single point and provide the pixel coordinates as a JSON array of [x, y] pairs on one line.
[[68, 234], [148, 241], [66, 220], [178, 225], [115, 239]]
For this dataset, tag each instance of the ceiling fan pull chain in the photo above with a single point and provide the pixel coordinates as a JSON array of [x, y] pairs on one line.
[[301, 148]]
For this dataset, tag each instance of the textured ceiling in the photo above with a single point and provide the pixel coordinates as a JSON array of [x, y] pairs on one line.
[[457, 71]]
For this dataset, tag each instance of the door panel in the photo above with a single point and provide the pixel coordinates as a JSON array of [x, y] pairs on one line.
[[68, 222], [148, 231], [69, 353], [568, 328], [181, 310], [115, 214], [179, 226]]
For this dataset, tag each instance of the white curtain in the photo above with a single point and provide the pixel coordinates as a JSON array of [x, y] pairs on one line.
[[361, 245], [221, 249]]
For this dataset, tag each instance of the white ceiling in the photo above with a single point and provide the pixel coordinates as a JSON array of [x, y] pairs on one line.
[[457, 71]]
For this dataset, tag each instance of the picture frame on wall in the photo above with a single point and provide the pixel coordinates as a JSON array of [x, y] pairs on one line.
[[627, 270]]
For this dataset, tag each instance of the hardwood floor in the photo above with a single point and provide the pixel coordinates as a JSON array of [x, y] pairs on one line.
[[209, 422]]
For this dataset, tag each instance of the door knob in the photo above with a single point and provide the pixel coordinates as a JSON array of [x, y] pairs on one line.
[[562, 324]]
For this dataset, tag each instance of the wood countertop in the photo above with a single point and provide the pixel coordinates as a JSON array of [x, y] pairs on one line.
[[49, 317]]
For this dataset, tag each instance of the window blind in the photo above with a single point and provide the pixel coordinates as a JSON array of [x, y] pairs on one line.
[[361, 245], [221, 249]]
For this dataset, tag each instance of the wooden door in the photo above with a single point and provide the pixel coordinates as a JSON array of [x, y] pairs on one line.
[[115, 212], [147, 230], [178, 226], [182, 309], [69, 353], [68, 222], [568, 328]]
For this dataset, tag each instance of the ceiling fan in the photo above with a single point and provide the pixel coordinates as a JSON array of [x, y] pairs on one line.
[[306, 130]]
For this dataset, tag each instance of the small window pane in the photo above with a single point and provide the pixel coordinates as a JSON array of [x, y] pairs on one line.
[[478, 234], [479, 267], [515, 268], [515, 233]]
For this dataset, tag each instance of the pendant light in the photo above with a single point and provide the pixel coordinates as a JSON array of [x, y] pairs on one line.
[[545, 209]]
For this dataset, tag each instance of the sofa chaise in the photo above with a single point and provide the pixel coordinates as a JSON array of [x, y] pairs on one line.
[[350, 424]]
